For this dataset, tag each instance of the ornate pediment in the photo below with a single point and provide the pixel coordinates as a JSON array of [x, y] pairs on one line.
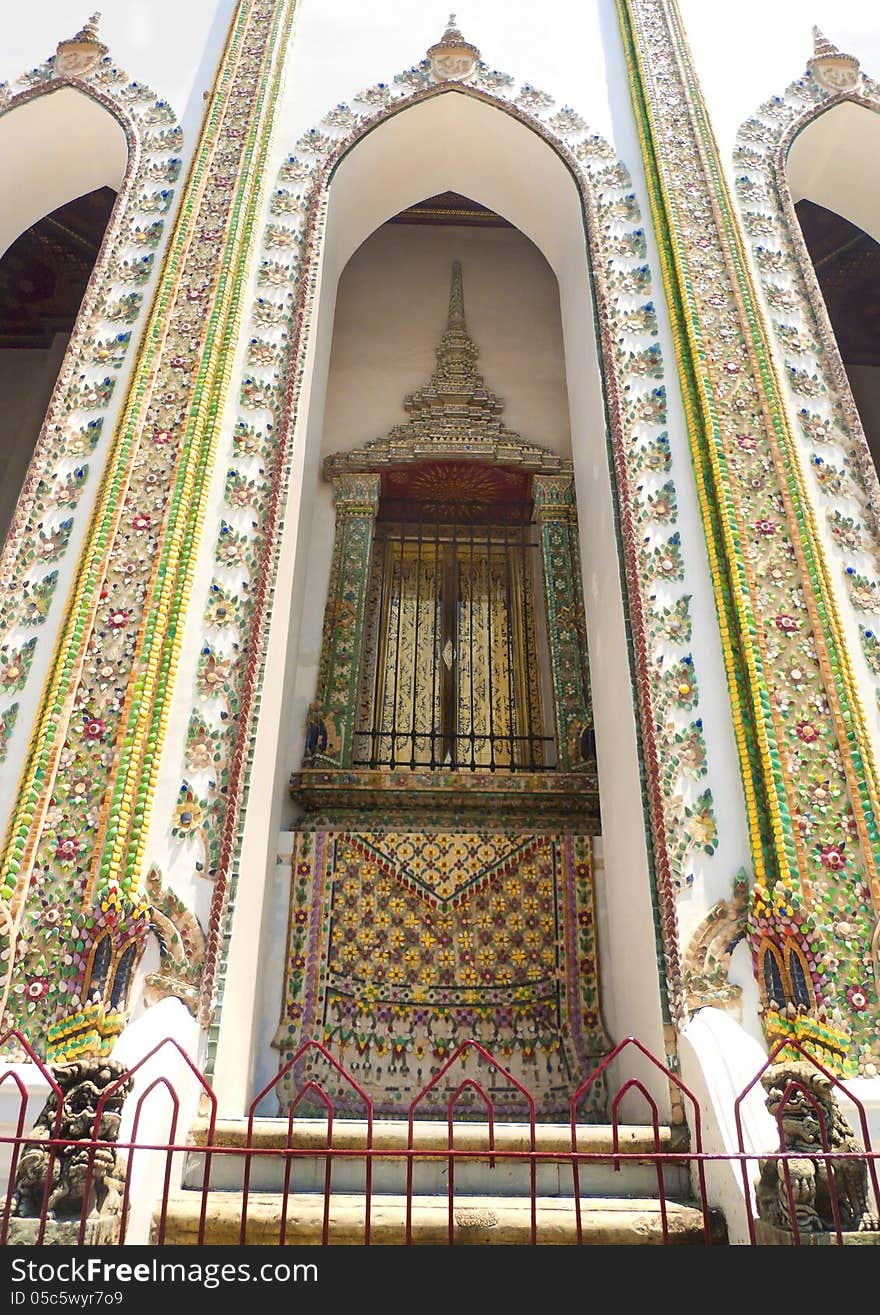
[[453, 417]]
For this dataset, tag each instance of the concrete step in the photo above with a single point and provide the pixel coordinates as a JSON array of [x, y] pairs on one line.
[[477, 1221], [504, 1173]]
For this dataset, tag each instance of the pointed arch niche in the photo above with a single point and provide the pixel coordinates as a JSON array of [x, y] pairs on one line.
[[801, 178], [64, 160], [459, 140], [96, 142], [837, 202]]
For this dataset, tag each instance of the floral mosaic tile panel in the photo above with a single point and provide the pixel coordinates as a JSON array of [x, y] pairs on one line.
[[401, 946]]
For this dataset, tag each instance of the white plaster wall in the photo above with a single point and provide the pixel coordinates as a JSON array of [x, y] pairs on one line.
[[335, 53], [343, 46], [745, 57], [173, 48], [573, 51]]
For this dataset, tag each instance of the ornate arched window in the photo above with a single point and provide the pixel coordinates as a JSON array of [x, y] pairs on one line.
[[799, 978], [451, 671], [454, 633], [771, 969], [99, 967]]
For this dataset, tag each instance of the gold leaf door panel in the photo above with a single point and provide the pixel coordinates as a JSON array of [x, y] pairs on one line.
[[455, 673]]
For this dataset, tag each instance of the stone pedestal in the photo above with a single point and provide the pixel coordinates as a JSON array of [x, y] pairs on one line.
[[767, 1234], [100, 1230]]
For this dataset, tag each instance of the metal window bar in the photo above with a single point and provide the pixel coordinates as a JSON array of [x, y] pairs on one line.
[[477, 709]]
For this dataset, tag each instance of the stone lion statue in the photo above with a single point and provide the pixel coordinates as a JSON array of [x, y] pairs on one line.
[[70, 1167], [810, 1170]]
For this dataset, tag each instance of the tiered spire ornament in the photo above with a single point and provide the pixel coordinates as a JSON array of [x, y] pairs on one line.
[[454, 415], [456, 394], [452, 58], [832, 69], [81, 54]]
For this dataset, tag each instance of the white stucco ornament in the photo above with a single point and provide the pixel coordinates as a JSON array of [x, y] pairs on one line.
[[80, 54], [452, 59], [830, 67]]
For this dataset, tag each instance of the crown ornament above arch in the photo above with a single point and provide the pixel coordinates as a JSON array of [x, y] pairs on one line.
[[452, 57], [453, 416], [832, 69], [81, 54]]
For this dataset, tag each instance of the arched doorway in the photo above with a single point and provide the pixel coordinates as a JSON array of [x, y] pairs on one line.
[[837, 204], [450, 766], [846, 260]]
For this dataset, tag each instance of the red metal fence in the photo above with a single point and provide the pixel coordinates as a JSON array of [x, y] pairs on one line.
[[821, 1192]]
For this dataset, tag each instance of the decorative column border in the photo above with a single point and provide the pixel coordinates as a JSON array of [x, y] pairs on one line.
[[332, 716], [72, 439], [556, 514], [217, 758], [105, 707], [800, 725]]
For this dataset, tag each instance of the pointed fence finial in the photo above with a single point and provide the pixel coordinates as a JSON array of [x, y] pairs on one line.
[[81, 54], [452, 58], [832, 69]]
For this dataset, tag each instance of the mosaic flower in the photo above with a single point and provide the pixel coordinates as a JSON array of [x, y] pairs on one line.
[[36, 988], [213, 673], [94, 728], [857, 997], [187, 815], [200, 752], [832, 857], [12, 673], [67, 848]]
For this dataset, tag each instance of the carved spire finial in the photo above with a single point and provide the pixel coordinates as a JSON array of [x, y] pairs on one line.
[[831, 68], [452, 58], [453, 416], [456, 295], [456, 393], [89, 29], [821, 44], [80, 54]]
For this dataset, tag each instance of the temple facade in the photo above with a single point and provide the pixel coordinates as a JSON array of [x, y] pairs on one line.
[[441, 582]]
